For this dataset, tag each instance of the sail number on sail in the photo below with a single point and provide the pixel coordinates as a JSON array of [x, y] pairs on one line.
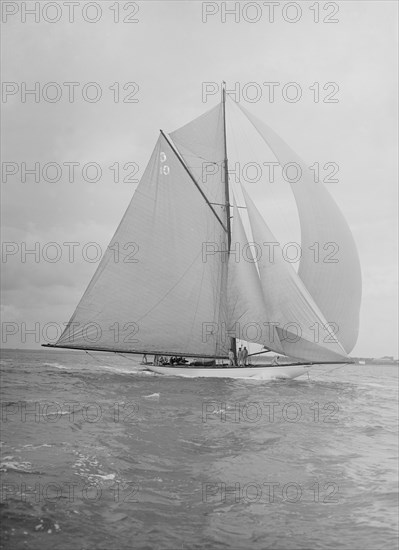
[[163, 169]]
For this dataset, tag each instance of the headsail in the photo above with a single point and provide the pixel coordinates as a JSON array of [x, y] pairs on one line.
[[333, 279], [300, 325], [247, 313], [152, 290]]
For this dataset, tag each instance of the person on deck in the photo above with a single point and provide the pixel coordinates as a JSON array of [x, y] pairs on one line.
[[245, 356], [239, 356], [275, 360], [231, 358], [144, 360]]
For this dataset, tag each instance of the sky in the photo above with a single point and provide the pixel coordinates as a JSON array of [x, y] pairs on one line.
[[150, 63]]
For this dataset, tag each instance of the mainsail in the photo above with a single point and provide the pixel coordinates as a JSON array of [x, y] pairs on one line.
[[152, 291], [168, 285]]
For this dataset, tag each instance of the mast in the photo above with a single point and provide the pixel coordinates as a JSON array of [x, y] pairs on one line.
[[226, 169], [233, 344]]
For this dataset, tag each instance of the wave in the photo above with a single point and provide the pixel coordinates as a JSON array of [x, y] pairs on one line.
[[56, 366], [9, 464], [152, 396]]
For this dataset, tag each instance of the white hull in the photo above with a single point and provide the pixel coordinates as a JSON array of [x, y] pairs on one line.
[[259, 373]]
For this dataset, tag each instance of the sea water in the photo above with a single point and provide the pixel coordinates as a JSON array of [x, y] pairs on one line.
[[98, 453]]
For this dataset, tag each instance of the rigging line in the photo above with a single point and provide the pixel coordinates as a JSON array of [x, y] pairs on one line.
[[192, 177], [124, 356], [94, 357], [339, 367], [195, 155]]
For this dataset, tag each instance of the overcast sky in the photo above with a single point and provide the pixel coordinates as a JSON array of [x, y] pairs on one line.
[[172, 49]]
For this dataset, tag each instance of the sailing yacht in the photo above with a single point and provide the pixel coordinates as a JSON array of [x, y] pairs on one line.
[[171, 283]]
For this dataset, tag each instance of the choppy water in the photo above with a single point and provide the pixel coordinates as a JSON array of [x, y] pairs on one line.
[[98, 454]]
